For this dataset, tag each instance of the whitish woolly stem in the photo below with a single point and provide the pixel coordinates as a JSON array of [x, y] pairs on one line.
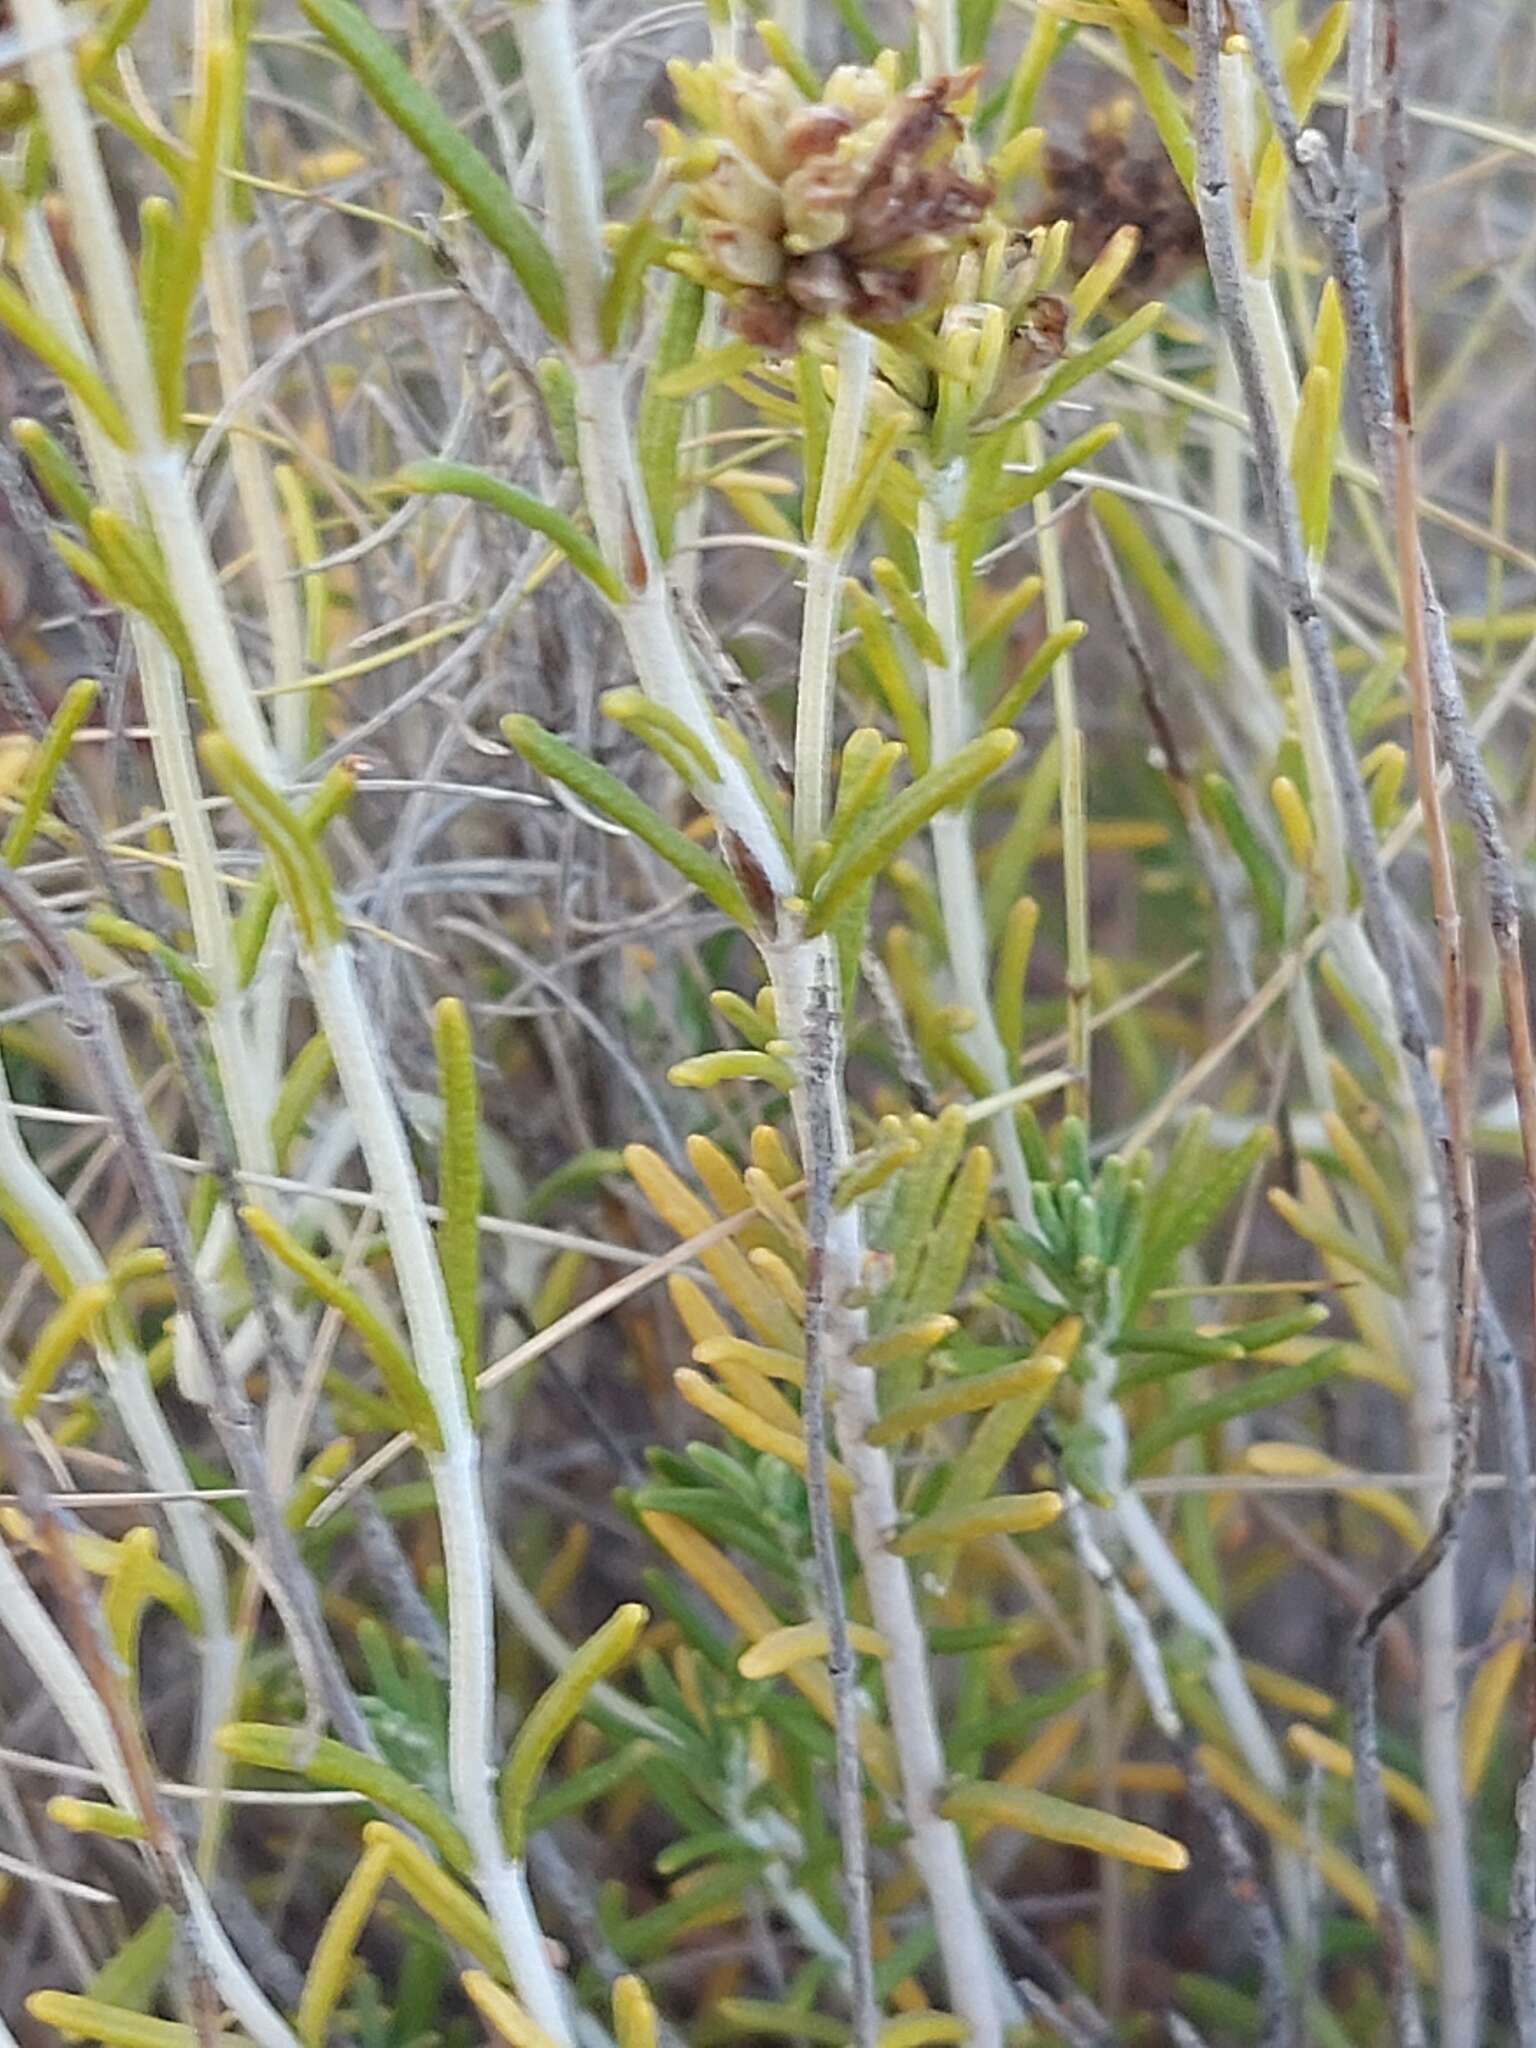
[[823, 589], [791, 16], [802, 973], [1178, 1593], [158, 468], [192, 834], [1388, 416], [938, 49], [605, 446], [1074, 816], [171, 744], [1434, 1432], [455, 1472], [1147, 1662], [829, 1336], [224, 289], [950, 725], [28, 1189], [40, 1644]]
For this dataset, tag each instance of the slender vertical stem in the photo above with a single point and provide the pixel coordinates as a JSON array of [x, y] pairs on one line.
[[455, 1474], [1074, 814], [1459, 1942], [41, 1645], [800, 969], [32, 1195], [158, 468], [827, 1321], [938, 49], [1213, 196], [1332, 196], [950, 725], [224, 290]]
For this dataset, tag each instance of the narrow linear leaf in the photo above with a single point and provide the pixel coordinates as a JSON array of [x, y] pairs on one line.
[[1011, 1514], [459, 1181], [867, 853], [302, 873], [555, 1710], [1060, 1820], [389, 1355], [52, 752], [442, 1898], [502, 2012], [72, 371], [88, 2019], [331, 1962], [330, 798], [463, 480], [659, 422], [484, 194], [1268, 1390], [593, 783], [335, 1767], [967, 1396]]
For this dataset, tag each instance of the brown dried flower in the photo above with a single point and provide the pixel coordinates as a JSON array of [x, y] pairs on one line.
[[1113, 178], [849, 206]]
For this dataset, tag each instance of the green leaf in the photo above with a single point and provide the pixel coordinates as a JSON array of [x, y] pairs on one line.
[[1223, 806], [815, 425], [483, 192], [169, 305], [640, 244], [659, 424], [56, 470], [458, 1183], [604, 792], [1021, 691], [129, 937], [1017, 491], [394, 1363], [308, 1071], [1184, 1213], [1267, 1390], [654, 1933], [968, 1394], [1074, 370], [582, 1787], [55, 354], [463, 480], [52, 752], [332, 1764], [131, 1977], [332, 795], [302, 873], [663, 731], [555, 1710], [1060, 1820], [867, 853]]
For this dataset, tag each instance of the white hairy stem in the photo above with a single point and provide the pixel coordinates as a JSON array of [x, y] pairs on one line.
[[40, 1644], [395, 1193], [950, 725]]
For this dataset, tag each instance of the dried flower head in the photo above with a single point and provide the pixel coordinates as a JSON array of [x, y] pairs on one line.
[[1113, 178], [852, 205]]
